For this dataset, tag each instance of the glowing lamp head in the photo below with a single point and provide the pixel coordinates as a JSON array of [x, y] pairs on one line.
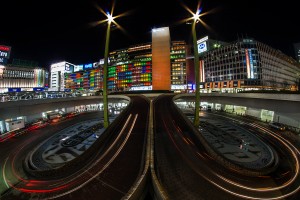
[[196, 15], [109, 17]]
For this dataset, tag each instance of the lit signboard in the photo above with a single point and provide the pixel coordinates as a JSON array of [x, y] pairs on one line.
[[3, 60], [141, 88], [37, 89], [4, 51], [178, 87], [95, 65], [88, 66], [69, 67], [58, 67], [78, 68], [101, 61], [202, 40], [249, 63], [202, 47], [158, 30], [202, 85], [62, 67], [235, 83], [14, 89]]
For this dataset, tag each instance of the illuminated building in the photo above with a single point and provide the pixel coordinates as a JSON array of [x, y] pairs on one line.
[[16, 78], [4, 54], [57, 71], [89, 77], [297, 51], [244, 65], [130, 68], [133, 68], [178, 66]]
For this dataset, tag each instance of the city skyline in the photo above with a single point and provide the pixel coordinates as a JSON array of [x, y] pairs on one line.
[[50, 32]]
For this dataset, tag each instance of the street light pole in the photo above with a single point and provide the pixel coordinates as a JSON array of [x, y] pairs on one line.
[[105, 99], [196, 64]]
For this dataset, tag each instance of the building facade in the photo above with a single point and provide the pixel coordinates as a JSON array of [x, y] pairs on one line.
[[297, 51], [132, 68], [84, 80], [17, 79], [247, 64], [57, 71], [178, 65]]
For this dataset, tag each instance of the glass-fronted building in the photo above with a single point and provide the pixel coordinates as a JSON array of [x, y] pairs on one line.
[[131, 69], [247, 64]]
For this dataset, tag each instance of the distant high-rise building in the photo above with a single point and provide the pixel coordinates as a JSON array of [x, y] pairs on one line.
[[57, 71], [297, 51]]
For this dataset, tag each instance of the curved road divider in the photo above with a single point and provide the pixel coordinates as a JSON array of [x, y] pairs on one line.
[[159, 191]]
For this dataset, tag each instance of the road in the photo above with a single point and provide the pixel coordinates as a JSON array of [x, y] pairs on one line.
[[186, 170], [109, 173], [184, 166]]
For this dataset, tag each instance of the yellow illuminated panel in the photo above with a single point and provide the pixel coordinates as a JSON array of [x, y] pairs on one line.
[[161, 65]]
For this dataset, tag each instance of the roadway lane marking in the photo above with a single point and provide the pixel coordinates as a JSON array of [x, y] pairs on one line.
[[108, 163], [3, 173]]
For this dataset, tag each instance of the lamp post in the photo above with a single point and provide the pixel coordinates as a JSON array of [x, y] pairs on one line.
[[105, 99], [196, 64]]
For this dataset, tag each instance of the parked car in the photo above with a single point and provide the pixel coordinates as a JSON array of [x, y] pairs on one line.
[[277, 126]]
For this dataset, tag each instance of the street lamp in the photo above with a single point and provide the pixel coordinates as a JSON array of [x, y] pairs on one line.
[[109, 20], [196, 18], [105, 99], [196, 63]]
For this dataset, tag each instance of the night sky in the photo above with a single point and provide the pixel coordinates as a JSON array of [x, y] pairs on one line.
[[49, 31]]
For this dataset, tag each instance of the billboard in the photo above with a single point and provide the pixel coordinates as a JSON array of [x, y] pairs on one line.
[[4, 51], [202, 40], [202, 47], [88, 66], [3, 60], [62, 67], [202, 44], [14, 89], [38, 89], [78, 68], [58, 67], [69, 67], [249, 63]]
